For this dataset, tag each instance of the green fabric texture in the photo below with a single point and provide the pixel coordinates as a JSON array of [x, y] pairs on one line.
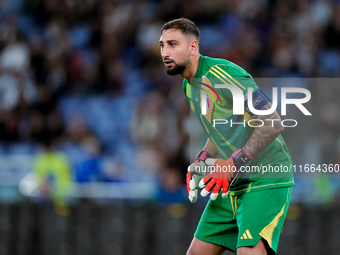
[[239, 221], [227, 138]]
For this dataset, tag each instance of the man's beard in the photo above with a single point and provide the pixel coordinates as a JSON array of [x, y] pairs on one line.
[[177, 69]]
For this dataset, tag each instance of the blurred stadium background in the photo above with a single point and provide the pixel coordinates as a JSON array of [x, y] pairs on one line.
[[95, 138]]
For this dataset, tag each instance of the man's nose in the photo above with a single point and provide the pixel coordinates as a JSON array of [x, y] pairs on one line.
[[164, 53]]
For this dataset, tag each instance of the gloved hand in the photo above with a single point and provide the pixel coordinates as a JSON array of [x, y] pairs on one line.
[[196, 172], [225, 172]]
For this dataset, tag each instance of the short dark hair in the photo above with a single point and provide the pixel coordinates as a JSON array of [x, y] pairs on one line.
[[186, 26]]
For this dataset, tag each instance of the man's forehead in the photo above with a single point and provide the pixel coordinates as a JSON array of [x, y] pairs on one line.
[[172, 34]]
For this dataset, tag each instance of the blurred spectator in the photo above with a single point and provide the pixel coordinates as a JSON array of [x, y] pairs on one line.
[[15, 84], [148, 126], [84, 149], [88, 170], [114, 171], [171, 189], [155, 124], [78, 132], [9, 126], [15, 56], [53, 172], [46, 102]]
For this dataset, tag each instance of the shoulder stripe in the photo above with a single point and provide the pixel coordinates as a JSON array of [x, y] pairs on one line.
[[226, 78], [217, 76], [223, 78], [232, 78], [234, 66], [210, 71]]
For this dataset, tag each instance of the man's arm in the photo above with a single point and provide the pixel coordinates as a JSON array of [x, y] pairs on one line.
[[264, 135], [210, 148]]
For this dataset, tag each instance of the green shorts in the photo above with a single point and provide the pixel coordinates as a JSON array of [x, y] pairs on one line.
[[239, 221]]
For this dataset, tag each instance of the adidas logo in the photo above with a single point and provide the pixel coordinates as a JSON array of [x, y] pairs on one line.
[[246, 235]]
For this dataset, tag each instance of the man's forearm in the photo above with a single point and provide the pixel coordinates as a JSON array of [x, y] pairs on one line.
[[211, 149], [264, 135], [261, 137]]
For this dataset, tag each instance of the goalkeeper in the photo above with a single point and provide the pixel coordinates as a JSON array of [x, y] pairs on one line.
[[246, 211]]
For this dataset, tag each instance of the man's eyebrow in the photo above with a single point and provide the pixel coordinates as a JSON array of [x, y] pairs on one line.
[[173, 40], [168, 41]]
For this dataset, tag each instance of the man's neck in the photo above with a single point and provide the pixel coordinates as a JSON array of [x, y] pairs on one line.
[[191, 69]]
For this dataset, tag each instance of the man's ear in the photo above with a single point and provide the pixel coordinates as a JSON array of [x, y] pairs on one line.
[[193, 47]]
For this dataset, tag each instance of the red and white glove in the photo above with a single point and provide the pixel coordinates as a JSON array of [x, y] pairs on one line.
[[225, 172], [196, 172]]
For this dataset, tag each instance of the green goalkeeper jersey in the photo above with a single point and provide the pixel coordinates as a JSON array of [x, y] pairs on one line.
[[272, 168]]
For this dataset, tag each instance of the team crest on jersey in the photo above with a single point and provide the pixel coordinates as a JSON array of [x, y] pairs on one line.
[[208, 102], [210, 91]]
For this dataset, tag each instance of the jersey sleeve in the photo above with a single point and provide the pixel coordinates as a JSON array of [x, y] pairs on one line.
[[233, 75]]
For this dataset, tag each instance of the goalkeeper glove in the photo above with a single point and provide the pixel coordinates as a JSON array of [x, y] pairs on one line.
[[196, 172], [225, 172]]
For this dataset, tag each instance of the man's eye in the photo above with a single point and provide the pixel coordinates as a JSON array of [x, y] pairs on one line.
[[161, 45], [172, 44]]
